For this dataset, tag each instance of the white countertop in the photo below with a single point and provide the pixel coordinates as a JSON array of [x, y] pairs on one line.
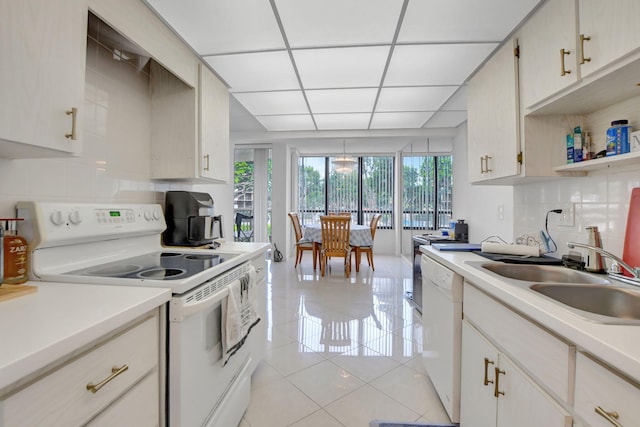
[[39, 328], [616, 345]]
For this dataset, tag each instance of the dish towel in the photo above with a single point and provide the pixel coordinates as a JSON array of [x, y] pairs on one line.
[[239, 313]]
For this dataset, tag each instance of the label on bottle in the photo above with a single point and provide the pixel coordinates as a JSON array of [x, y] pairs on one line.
[[15, 260]]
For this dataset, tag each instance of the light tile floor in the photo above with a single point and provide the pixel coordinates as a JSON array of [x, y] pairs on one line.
[[341, 352]]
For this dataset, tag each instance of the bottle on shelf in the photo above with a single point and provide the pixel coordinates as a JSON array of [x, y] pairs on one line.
[[15, 253]]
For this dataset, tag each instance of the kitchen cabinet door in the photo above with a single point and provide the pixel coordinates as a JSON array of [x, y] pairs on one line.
[[42, 74], [493, 118], [523, 403], [611, 28], [189, 128], [479, 358], [548, 59], [214, 127], [496, 393]]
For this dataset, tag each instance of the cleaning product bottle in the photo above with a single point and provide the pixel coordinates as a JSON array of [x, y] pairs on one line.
[[15, 253]]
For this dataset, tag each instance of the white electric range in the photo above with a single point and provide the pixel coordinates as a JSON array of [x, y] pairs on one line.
[[120, 244]]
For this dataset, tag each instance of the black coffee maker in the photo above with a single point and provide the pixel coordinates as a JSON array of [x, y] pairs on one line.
[[190, 219]]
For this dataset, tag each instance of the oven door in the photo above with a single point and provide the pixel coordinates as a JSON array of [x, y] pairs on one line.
[[203, 390]]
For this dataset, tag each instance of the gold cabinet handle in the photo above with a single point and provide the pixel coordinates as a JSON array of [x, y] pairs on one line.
[[609, 416], [482, 159], [487, 362], [583, 59], [563, 71], [115, 371], [496, 389], [487, 170], [74, 115], [206, 161]]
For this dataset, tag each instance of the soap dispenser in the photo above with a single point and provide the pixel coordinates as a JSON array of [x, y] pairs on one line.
[[15, 253], [595, 263]]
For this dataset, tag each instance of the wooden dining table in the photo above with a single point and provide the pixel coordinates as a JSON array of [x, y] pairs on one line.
[[359, 235]]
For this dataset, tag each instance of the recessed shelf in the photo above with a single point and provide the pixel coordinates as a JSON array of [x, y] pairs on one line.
[[602, 163]]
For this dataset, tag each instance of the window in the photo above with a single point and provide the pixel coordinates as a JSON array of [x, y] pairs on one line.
[[364, 189], [427, 192]]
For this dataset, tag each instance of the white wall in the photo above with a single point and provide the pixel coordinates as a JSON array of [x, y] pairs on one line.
[[479, 205], [601, 199]]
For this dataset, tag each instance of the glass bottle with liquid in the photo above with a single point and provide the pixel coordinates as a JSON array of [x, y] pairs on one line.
[[15, 254]]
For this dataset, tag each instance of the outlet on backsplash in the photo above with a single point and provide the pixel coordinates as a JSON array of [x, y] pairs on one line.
[[566, 218]]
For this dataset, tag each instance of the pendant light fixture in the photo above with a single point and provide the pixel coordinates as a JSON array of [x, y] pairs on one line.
[[344, 164]]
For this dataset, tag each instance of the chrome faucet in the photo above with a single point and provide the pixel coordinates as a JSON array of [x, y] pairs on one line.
[[635, 272]]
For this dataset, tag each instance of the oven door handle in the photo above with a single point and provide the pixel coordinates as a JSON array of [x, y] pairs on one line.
[[179, 311]]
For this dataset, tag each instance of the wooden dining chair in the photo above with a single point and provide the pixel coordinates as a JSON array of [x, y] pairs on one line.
[[368, 249], [302, 244], [335, 241]]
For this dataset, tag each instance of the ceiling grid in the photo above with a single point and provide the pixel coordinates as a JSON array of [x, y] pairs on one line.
[[337, 65]]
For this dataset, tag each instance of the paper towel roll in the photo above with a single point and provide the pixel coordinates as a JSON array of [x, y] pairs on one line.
[[502, 248]]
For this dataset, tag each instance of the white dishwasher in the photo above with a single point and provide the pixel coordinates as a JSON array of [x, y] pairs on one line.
[[442, 331]]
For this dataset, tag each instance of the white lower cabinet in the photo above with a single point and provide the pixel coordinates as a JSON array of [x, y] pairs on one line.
[[105, 385], [603, 398], [513, 373], [495, 392]]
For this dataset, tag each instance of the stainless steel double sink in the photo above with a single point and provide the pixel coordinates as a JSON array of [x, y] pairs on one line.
[[588, 295]]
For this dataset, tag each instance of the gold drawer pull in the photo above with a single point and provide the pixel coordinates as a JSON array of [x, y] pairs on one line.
[[496, 389], [206, 159], [115, 371], [609, 416], [487, 362], [74, 115]]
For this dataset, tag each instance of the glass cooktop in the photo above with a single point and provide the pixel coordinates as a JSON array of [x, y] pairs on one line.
[[156, 266]]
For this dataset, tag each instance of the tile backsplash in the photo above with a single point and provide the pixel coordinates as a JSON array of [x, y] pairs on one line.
[[600, 199], [114, 165]]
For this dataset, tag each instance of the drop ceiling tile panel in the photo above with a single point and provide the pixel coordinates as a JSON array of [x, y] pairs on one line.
[[447, 119], [222, 26], [462, 20], [313, 23], [341, 100], [458, 102], [341, 67], [342, 121], [287, 122], [438, 64], [422, 98], [256, 71], [412, 120], [273, 103]]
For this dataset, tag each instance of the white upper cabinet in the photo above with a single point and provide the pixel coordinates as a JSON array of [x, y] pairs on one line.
[[608, 30], [493, 118], [42, 75], [548, 56], [189, 128], [215, 160]]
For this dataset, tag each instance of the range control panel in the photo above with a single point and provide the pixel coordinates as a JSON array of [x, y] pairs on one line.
[[54, 224]]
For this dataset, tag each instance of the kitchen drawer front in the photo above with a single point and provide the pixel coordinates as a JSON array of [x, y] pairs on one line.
[[61, 398], [598, 386], [543, 356], [138, 407]]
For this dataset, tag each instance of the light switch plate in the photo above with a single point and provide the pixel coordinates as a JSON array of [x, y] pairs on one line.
[[567, 217]]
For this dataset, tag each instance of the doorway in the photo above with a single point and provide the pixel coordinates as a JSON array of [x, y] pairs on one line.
[[252, 195]]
